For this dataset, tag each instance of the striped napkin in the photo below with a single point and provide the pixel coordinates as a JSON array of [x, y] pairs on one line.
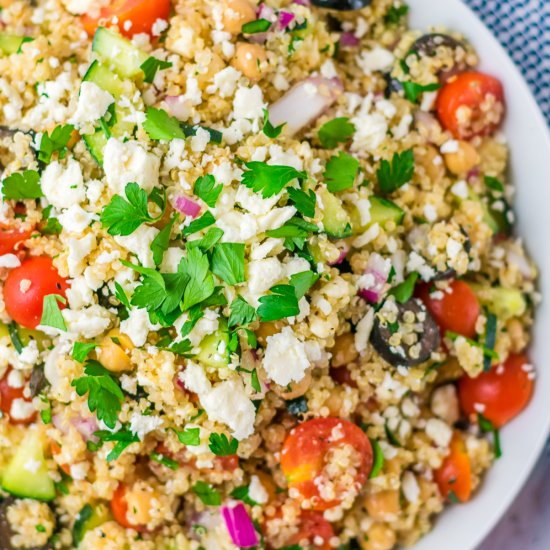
[[523, 28]]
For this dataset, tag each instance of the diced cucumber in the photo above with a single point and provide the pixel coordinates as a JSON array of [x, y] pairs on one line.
[[505, 303], [88, 519], [381, 211], [26, 335], [107, 80], [26, 475], [336, 219], [4, 331], [9, 43], [323, 251], [213, 349], [119, 53]]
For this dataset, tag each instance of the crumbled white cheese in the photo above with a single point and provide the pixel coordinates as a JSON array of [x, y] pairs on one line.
[[63, 186], [450, 146], [363, 330], [439, 432], [261, 276], [129, 162], [410, 487], [87, 322], [200, 140], [21, 409], [9, 261], [453, 248], [171, 259], [79, 250], [285, 358], [256, 491], [93, 103], [377, 59], [159, 26], [141, 425], [248, 103], [75, 219], [138, 326], [444, 403], [225, 82], [139, 243]]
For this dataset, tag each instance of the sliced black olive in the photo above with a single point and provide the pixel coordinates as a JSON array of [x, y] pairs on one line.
[[427, 45], [392, 85], [449, 273], [38, 380], [416, 333], [342, 5]]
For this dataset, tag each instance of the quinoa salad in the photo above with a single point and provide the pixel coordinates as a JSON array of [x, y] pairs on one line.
[[259, 282]]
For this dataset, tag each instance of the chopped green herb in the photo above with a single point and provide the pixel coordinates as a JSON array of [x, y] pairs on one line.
[[492, 354], [494, 184], [281, 303], [55, 143], [159, 245], [269, 179], [269, 130], [395, 14], [213, 235], [487, 426], [391, 176], [150, 67], [378, 459], [242, 313], [304, 202], [255, 381], [22, 185], [391, 436], [403, 292], [453, 498], [207, 493], [51, 314], [413, 90], [302, 282], [81, 351], [52, 226], [206, 220], [123, 438], [228, 262], [14, 337], [241, 493], [254, 27], [159, 125], [190, 436], [340, 172], [221, 446], [40, 528], [490, 339], [207, 190], [335, 131], [165, 461], [215, 135]]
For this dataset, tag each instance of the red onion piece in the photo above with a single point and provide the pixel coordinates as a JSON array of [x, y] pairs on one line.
[[187, 206], [349, 40], [266, 12], [177, 107], [344, 249], [305, 103], [86, 427], [305, 3], [285, 19], [473, 174], [375, 278], [240, 526]]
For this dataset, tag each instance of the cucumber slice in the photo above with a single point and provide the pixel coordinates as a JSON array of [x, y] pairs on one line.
[[213, 349], [107, 80], [9, 43], [27, 334], [26, 475], [336, 219], [119, 53], [505, 303], [88, 519], [381, 211]]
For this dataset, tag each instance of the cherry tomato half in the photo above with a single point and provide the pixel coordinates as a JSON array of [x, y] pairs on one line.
[[119, 507], [472, 104], [314, 530], [9, 394], [455, 308], [455, 474], [503, 392], [307, 455], [11, 238], [132, 16], [26, 286]]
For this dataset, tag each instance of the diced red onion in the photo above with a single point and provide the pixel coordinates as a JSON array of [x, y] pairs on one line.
[[305, 102], [473, 174], [379, 268], [344, 249], [285, 19], [240, 526], [349, 40], [266, 12], [187, 206], [86, 427], [177, 107], [305, 3]]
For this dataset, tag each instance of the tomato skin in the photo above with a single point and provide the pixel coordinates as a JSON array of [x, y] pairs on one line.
[[504, 391], [455, 474], [312, 526], [141, 13], [8, 395], [468, 89], [26, 307], [305, 449], [11, 239], [227, 463], [119, 507], [457, 311]]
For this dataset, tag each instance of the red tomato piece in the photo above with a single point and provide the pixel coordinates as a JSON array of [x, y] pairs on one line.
[[314, 530], [119, 507], [455, 308], [503, 392], [26, 286], [9, 394], [472, 104], [228, 463], [11, 239], [342, 375], [308, 450], [455, 474], [131, 16]]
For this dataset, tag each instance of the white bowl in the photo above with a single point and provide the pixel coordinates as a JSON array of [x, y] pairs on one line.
[[463, 527]]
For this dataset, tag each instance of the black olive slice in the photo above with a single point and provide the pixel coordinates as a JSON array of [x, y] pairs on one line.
[[342, 5], [427, 45], [405, 334]]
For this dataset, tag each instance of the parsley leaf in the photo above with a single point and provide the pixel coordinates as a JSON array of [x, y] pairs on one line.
[[269, 179], [207, 190], [241, 493], [404, 291], [254, 27], [81, 351], [51, 314], [165, 461], [494, 184], [395, 14], [190, 436], [104, 393], [487, 426], [213, 235], [207, 493], [302, 282], [269, 130], [204, 221], [22, 185], [52, 225], [304, 202], [123, 217], [123, 439], [159, 125], [221, 446], [150, 67], [337, 130], [413, 90], [340, 172], [228, 262], [280, 304], [398, 173], [55, 143], [242, 313], [201, 283], [160, 243], [378, 460]]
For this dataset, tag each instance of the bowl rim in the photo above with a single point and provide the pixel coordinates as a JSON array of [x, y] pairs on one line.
[[493, 515]]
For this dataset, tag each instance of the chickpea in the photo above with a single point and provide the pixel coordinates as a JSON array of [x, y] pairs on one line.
[[379, 537], [140, 503], [343, 351], [249, 59], [383, 505], [236, 13], [463, 160], [265, 330], [294, 389], [114, 351]]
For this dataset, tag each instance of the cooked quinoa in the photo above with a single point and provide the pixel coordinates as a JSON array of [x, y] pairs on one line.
[[281, 259]]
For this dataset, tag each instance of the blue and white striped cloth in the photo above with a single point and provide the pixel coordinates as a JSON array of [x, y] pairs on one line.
[[523, 27]]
